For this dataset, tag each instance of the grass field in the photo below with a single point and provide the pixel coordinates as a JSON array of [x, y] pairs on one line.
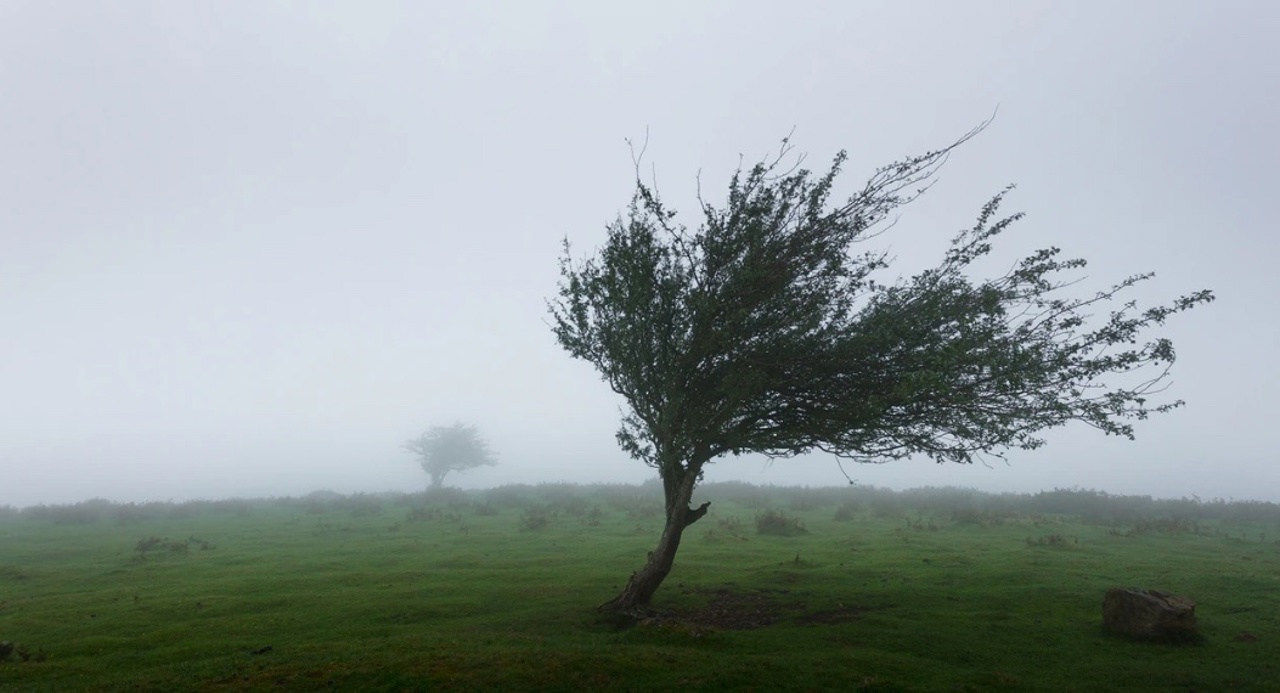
[[860, 589]]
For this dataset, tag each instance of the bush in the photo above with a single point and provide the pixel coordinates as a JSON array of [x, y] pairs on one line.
[[1163, 525], [535, 517], [979, 518], [775, 523], [845, 512], [230, 506], [82, 513], [507, 496], [146, 545], [425, 513], [571, 505], [1052, 540], [359, 504]]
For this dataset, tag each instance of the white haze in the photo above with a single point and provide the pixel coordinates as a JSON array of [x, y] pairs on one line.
[[249, 248]]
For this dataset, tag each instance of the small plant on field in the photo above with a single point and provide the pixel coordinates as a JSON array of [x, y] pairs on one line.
[[535, 517], [921, 524], [231, 506], [845, 512], [319, 502], [82, 513], [727, 528], [775, 523], [804, 503], [732, 525], [980, 518], [509, 496], [328, 528], [404, 500], [886, 507], [133, 512], [359, 504], [182, 511], [150, 544], [485, 509], [637, 507], [573, 506], [1052, 540], [447, 496], [22, 653], [1040, 520], [427, 514], [459, 503], [1164, 525]]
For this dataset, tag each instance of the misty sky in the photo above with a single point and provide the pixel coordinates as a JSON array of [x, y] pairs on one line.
[[251, 247]]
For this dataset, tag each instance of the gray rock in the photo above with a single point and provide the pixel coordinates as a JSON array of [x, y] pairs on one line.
[[1149, 615]]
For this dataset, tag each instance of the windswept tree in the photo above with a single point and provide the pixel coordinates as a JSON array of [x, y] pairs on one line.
[[764, 332], [444, 449]]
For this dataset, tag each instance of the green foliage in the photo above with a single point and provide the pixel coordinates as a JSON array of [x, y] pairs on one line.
[[762, 332], [535, 517], [845, 512], [444, 449], [731, 526], [1163, 525], [776, 523], [424, 513], [147, 545], [1052, 540]]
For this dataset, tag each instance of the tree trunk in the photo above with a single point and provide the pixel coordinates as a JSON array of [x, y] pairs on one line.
[[437, 479], [634, 598]]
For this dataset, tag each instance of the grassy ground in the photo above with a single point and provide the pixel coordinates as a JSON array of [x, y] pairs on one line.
[[496, 591]]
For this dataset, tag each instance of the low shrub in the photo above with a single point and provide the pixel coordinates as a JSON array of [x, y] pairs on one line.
[[151, 544], [424, 513], [775, 523], [1052, 540], [535, 517]]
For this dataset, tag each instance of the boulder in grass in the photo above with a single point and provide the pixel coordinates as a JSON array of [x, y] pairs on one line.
[[1149, 615]]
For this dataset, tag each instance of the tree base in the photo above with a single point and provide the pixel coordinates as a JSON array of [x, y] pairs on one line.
[[616, 607]]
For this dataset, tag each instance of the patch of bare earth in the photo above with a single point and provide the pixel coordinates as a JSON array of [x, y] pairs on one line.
[[730, 609]]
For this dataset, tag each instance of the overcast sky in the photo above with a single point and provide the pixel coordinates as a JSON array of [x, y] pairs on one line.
[[251, 247]]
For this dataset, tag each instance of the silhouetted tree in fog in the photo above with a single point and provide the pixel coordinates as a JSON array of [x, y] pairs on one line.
[[444, 449]]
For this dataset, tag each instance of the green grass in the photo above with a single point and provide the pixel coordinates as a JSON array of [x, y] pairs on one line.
[[886, 600]]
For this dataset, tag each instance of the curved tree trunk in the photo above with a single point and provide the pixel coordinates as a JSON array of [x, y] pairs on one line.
[[635, 597]]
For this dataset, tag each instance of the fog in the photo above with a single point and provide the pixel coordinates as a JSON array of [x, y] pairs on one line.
[[250, 248]]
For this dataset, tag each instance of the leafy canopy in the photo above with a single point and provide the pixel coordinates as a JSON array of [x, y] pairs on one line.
[[764, 331], [444, 449]]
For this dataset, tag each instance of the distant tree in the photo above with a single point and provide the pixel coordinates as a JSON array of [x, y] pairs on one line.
[[444, 449], [762, 332]]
